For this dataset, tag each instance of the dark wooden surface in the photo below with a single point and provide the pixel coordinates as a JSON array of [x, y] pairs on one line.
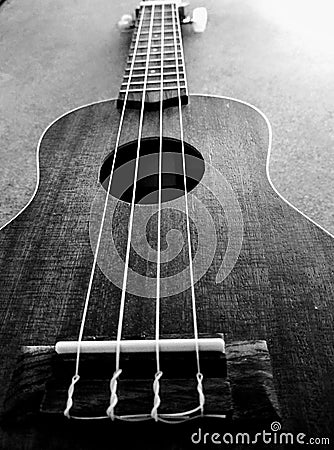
[[281, 288]]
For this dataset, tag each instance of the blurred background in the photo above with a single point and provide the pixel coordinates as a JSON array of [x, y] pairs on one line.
[[275, 54]]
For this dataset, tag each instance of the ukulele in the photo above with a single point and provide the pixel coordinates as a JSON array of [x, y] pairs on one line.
[[157, 278]]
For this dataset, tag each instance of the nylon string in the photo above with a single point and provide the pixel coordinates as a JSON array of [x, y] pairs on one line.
[[158, 375], [76, 376], [199, 375], [176, 417], [113, 381]]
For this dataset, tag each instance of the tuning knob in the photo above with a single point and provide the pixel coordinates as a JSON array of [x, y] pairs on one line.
[[199, 19], [125, 23]]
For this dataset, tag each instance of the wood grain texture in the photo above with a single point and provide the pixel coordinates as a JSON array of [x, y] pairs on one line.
[[281, 288]]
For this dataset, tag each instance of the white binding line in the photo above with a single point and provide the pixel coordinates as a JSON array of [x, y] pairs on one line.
[[197, 95]]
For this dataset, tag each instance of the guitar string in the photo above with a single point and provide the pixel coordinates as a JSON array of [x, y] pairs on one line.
[[165, 418], [199, 374], [170, 417], [184, 415], [76, 376], [158, 375], [113, 381]]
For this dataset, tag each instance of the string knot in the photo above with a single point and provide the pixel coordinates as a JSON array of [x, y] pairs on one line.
[[69, 402], [199, 377], [157, 401], [113, 395]]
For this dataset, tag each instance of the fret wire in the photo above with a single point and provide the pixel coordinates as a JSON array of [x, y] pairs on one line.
[[145, 54], [169, 13], [156, 60], [155, 68], [170, 44], [160, 19], [152, 68], [144, 39], [158, 13], [159, 23], [150, 82], [152, 75], [143, 46], [153, 89], [157, 39], [156, 33], [157, 46], [167, 28], [170, 41], [169, 35], [158, 55]]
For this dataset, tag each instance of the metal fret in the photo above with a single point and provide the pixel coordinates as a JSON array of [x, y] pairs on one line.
[[156, 60], [157, 39], [143, 46], [156, 54], [156, 32], [158, 13], [159, 25], [153, 89], [150, 82], [159, 19], [151, 68], [154, 75], [149, 56], [156, 57], [153, 31]]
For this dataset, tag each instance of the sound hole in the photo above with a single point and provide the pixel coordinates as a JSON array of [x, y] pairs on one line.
[[148, 170]]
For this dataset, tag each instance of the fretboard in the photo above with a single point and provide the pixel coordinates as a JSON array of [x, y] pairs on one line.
[[155, 65]]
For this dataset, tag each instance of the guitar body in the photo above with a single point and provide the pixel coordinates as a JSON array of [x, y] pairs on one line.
[[278, 286]]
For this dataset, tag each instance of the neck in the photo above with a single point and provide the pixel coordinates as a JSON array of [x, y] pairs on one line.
[[155, 66]]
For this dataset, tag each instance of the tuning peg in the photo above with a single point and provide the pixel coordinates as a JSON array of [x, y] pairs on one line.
[[125, 23], [199, 19]]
